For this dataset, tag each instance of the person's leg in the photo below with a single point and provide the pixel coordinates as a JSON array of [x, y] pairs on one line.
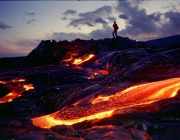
[[113, 34], [116, 34]]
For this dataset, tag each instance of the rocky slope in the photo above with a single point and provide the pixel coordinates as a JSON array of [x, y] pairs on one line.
[[51, 79]]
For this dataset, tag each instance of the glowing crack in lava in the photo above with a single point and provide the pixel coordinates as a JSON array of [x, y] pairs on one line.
[[142, 95], [16, 89], [2, 82], [94, 73], [78, 61], [10, 96], [18, 80], [70, 58], [28, 86]]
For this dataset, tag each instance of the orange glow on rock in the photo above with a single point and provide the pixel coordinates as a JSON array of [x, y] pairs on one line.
[[19, 80], [103, 72], [2, 82], [98, 72], [10, 97], [100, 99], [16, 89], [49, 121], [67, 60], [78, 61], [140, 96], [28, 86], [95, 73]]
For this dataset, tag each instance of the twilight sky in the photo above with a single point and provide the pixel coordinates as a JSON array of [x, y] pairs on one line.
[[23, 24]]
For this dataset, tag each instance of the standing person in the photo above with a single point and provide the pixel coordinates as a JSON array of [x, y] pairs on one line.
[[114, 33]]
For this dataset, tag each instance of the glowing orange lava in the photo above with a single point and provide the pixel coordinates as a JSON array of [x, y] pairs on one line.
[[101, 72], [28, 86], [67, 60], [16, 89], [10, 97], [18, 80], [85, 58], [96, 73], [141, 96], [2, 82]]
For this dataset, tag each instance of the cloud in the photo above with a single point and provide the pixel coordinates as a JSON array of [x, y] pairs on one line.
[[70, 12], [80, 21], [123, 16], [32, 14], [100, 20], [10, 54], [172, 26], [92, 17], [31, 22], [26, 43], [77, 22], [171, 7], [97, 13], [127, 7], [88, 24], [95, 34], [17, 47], [4, 26], [173, 18], [138, 23], [64, 18], [71, 18], [112, 19], [67, 36], [106, 32], [156, 16], [143, 26]]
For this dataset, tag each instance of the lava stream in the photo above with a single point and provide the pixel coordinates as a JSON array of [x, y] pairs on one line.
[[15, 88], [79, 61], [102, 107], [28, 86], [10, 96]]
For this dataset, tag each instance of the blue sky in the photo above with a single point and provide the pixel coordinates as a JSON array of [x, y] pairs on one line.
[[23, 24]]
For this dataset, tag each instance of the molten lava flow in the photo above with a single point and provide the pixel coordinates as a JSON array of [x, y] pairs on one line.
[[49, 121], [100, 99], [28, 87], [15, 88], [10, 97], [85, 58], [67, 60], [2, 82], [94, 73], [18, 80], [101, 72], [129, 99]]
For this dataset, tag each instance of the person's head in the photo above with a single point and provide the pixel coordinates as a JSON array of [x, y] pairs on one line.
[[114, 21]]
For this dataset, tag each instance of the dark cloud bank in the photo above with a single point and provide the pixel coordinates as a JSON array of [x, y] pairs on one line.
[[32, 21], [70, 12], [31, 13], [139, 24], [4, 26]]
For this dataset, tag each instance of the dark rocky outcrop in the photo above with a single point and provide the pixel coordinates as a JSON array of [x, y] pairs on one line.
[[117, 64], [165, 43], [50, 51]]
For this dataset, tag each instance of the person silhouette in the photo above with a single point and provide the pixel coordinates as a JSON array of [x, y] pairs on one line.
[[114, 33]]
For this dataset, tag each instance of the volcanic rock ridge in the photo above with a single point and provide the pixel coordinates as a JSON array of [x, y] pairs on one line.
[[92, 90]]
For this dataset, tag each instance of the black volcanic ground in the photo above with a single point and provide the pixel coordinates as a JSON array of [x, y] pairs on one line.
[[118, 64]]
